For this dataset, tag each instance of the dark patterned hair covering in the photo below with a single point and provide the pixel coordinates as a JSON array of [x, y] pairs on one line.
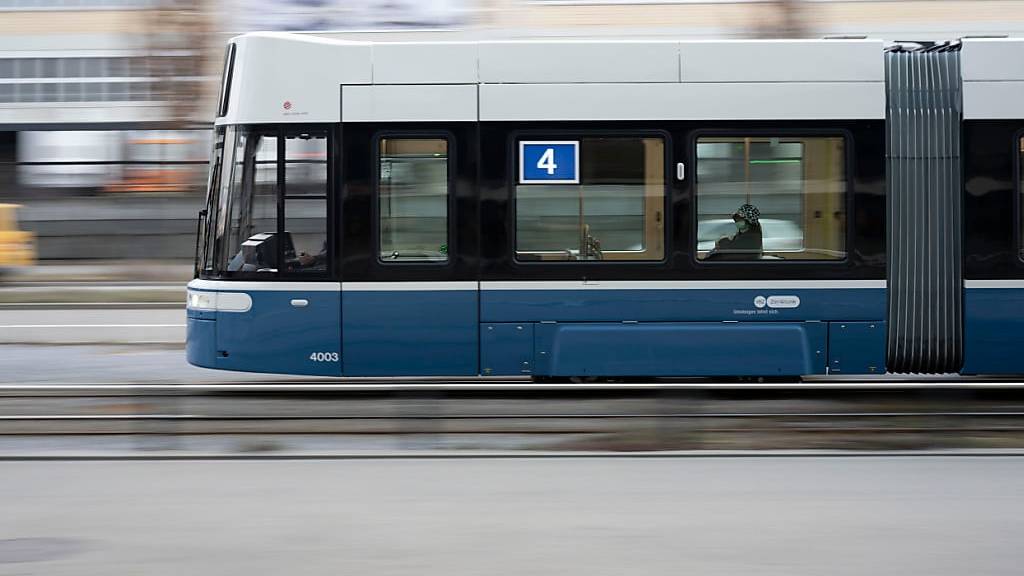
[[749, 212]]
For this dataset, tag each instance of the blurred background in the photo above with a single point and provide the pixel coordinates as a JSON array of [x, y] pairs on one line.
[[105, 105]]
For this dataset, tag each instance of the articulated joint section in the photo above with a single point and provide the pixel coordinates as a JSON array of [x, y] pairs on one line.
[[925, 304]]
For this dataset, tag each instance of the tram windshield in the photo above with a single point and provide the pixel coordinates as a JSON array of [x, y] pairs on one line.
[[267, 203]]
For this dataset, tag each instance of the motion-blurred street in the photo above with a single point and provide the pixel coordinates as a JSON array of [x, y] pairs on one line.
[[766, 516]]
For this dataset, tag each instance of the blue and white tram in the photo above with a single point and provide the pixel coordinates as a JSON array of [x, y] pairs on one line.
[[609, 208]]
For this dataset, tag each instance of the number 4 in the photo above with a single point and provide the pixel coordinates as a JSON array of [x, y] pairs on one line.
[[547, 161]]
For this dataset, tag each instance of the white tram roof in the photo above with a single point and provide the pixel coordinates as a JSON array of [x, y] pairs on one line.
[[332, 80], [993, 76]]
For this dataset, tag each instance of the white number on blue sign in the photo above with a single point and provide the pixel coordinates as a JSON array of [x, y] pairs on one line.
[[324, 356], [549, 162]]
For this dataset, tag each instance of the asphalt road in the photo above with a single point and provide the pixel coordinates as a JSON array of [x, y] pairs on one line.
[[609, 516]]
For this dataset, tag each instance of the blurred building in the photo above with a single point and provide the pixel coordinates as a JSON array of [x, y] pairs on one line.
[[306, 15], [91, 81], [888, 19]]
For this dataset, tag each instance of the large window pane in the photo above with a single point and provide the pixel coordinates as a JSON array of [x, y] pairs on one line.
[[770, 198], [413, 192], [252, 238], [614, 213], [306, 164], [305, 227], [231, 148]]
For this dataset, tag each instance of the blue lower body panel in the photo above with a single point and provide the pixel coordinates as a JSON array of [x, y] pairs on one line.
[[856, 347], [201, 342], [506, 349], [410, 333], [276, 336], [680, 349], [993, 331]]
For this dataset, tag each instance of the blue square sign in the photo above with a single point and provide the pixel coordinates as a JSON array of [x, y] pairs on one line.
[[549, 162]]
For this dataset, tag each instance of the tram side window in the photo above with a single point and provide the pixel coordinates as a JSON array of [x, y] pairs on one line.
[[413, 199], [271, 204], [616, 212], [771, 198]]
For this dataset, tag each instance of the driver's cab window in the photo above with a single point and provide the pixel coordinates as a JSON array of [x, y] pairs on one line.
[[277, 205], [253, 211], [305, 203]]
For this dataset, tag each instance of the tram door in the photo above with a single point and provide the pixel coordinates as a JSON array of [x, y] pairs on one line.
[[290, 321], [410, 300]]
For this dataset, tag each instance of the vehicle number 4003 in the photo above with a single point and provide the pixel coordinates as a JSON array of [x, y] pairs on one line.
[[324, 356]]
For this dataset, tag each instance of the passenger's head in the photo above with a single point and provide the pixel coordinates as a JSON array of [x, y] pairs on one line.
[[747, 217]]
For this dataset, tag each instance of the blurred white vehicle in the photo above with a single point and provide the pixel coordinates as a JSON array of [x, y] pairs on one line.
[[68, 146], [777, 235]]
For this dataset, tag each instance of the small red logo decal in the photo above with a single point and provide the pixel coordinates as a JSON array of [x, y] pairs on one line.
[[287, 104]]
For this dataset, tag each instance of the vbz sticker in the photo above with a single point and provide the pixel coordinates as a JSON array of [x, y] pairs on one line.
[[554, 162]]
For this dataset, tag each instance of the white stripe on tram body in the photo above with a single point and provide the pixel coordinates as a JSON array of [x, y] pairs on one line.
[[528, 285]]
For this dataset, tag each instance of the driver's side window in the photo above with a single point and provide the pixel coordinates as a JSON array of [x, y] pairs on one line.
[[305, 203]]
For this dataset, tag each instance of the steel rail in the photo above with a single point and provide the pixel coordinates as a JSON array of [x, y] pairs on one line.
[[435, 415], [508, 455]]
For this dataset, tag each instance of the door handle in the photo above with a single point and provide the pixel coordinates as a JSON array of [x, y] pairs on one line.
[[300, 302]]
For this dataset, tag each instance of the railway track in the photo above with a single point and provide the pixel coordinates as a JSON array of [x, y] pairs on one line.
[[475, 415]]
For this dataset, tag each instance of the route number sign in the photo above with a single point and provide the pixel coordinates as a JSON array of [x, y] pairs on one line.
[[552, 162]]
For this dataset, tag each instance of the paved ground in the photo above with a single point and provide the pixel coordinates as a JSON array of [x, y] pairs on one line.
[[708, 516], [109, 364]]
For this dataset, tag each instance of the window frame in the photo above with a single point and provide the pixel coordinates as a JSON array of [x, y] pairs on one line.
[[849, 159], [512, 151], [227, 76], [450, 217], [205, 266]]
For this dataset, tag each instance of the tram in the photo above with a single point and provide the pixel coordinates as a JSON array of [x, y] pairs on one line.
[[613, 209]]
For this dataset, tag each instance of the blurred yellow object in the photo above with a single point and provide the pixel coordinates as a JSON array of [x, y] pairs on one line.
[[17, 247]]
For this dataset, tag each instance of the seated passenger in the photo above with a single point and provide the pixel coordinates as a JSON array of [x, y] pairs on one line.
[[746, 244], [313, 261]]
